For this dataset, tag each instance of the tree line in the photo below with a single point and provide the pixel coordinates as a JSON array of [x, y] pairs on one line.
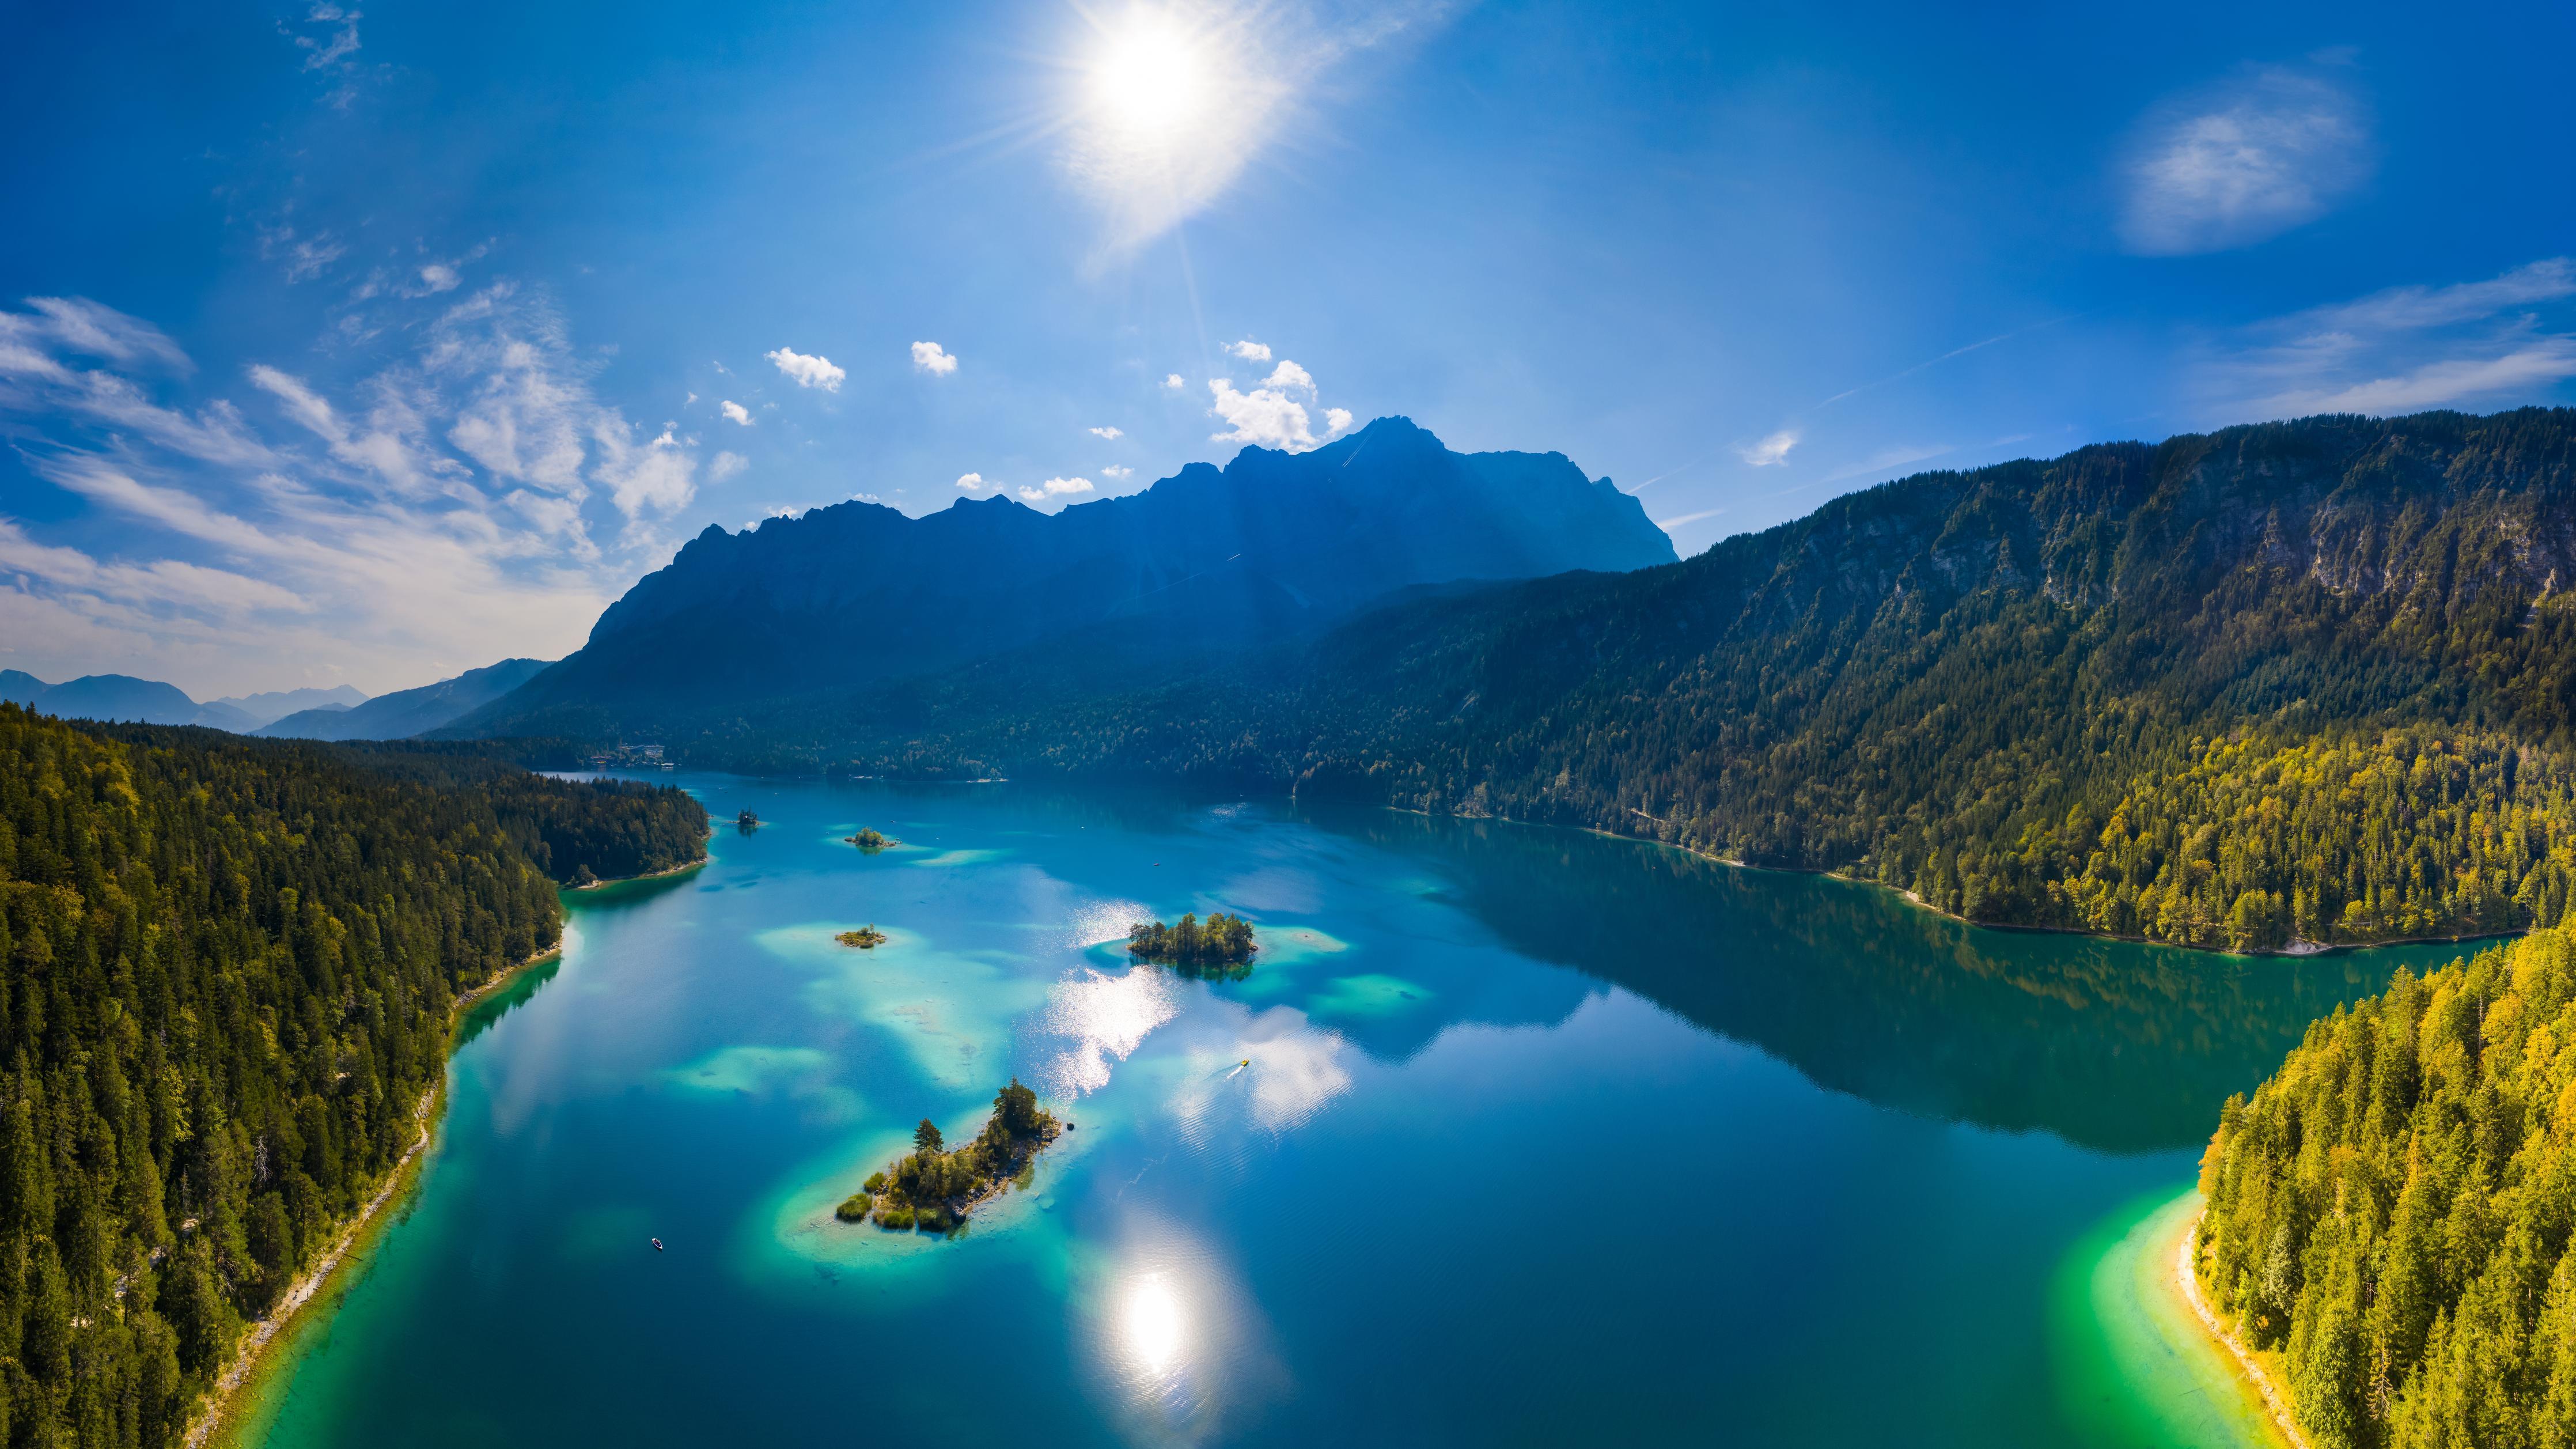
[[230, 970], [2392, 1210]]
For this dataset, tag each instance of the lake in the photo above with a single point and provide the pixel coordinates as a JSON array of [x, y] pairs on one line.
[[1544, 1137]]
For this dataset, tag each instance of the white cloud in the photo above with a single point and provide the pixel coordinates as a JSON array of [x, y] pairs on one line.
[[1271, 415], [726, 465], [1263, 417], [807, 371], [1248, 350], [931, 358], [1116, 470], [394, 527], [1770, 452], [735, 411], [1172, 382], [970, 481], [1107, 433], [656, 477], [2507, 339], [1288, 377], [2242, 162], [1055, 488]]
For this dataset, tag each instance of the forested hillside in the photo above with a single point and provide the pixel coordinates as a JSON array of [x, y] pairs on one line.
[[230, 965], [2392, 1210], [2305, 681]]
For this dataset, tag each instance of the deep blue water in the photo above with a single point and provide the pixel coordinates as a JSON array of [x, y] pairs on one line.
[[1545, 1138]]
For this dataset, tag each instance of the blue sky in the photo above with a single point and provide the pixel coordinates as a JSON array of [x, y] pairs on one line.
[[370, 344]]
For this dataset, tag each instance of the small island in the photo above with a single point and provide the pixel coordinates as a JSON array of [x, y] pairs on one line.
[[1221, 945], [933, 1189], [866, 938], [746, 822], [870, 840]]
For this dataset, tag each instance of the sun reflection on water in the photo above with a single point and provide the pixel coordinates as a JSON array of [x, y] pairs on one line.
[[1153, 1324]]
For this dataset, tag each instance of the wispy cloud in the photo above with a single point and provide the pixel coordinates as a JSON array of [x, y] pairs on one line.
[[735, 412], [2242, 161], [934, 359], [1110, 433], [431, 516], [2509, 338], [1769, 452]]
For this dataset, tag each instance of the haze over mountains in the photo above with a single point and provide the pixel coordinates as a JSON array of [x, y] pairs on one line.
[[1205, 564], [150, 701], [407, 712]]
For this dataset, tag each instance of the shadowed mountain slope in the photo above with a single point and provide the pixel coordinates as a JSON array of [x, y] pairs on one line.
[[1203, 564], [407, 712]]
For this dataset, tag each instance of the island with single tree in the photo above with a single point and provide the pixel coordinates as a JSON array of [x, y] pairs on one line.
[[1220, 944], [866, 938], [933, 1189], [871, 840]]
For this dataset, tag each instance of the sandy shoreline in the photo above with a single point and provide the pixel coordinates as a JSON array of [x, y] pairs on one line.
[[250, 1357], [2188, 1282]]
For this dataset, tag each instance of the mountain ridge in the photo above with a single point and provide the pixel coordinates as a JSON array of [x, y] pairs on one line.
[[407, 712], [1203, 563]]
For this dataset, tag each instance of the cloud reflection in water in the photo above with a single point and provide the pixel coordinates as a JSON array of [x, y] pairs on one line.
[[1107, 1017]]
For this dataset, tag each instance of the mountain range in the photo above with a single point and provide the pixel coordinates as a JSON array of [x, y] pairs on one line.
[[150, 701], [408, 712], [1203, 565]]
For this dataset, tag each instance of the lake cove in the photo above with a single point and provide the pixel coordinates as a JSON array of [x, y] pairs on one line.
[[1514, 1135]]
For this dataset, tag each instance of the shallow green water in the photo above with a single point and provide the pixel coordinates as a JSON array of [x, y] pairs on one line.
[[1545, 1138]]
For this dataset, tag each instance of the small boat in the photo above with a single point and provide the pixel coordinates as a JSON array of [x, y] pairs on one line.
[[657, 1245]]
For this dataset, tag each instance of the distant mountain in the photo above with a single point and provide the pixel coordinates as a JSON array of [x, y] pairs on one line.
[[1203, 564], [153, 702], [118, 697], [407, 712], [278, 704]]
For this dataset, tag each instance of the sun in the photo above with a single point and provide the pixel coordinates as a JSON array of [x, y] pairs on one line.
[[1150, 77]]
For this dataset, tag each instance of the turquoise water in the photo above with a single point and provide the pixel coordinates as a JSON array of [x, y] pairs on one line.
[[1545, 1138]]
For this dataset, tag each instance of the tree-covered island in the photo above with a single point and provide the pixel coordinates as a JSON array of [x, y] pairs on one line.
[[871, 840], [1220, 943], [866, 938], [933, 1188]]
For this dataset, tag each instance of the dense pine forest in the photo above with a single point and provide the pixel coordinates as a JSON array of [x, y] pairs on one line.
[[2392, 1210], [2297, 682], [230, 971]]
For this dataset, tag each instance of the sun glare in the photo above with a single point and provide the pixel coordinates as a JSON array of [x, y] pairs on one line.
[[1153, 1326], [1151, 76]]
